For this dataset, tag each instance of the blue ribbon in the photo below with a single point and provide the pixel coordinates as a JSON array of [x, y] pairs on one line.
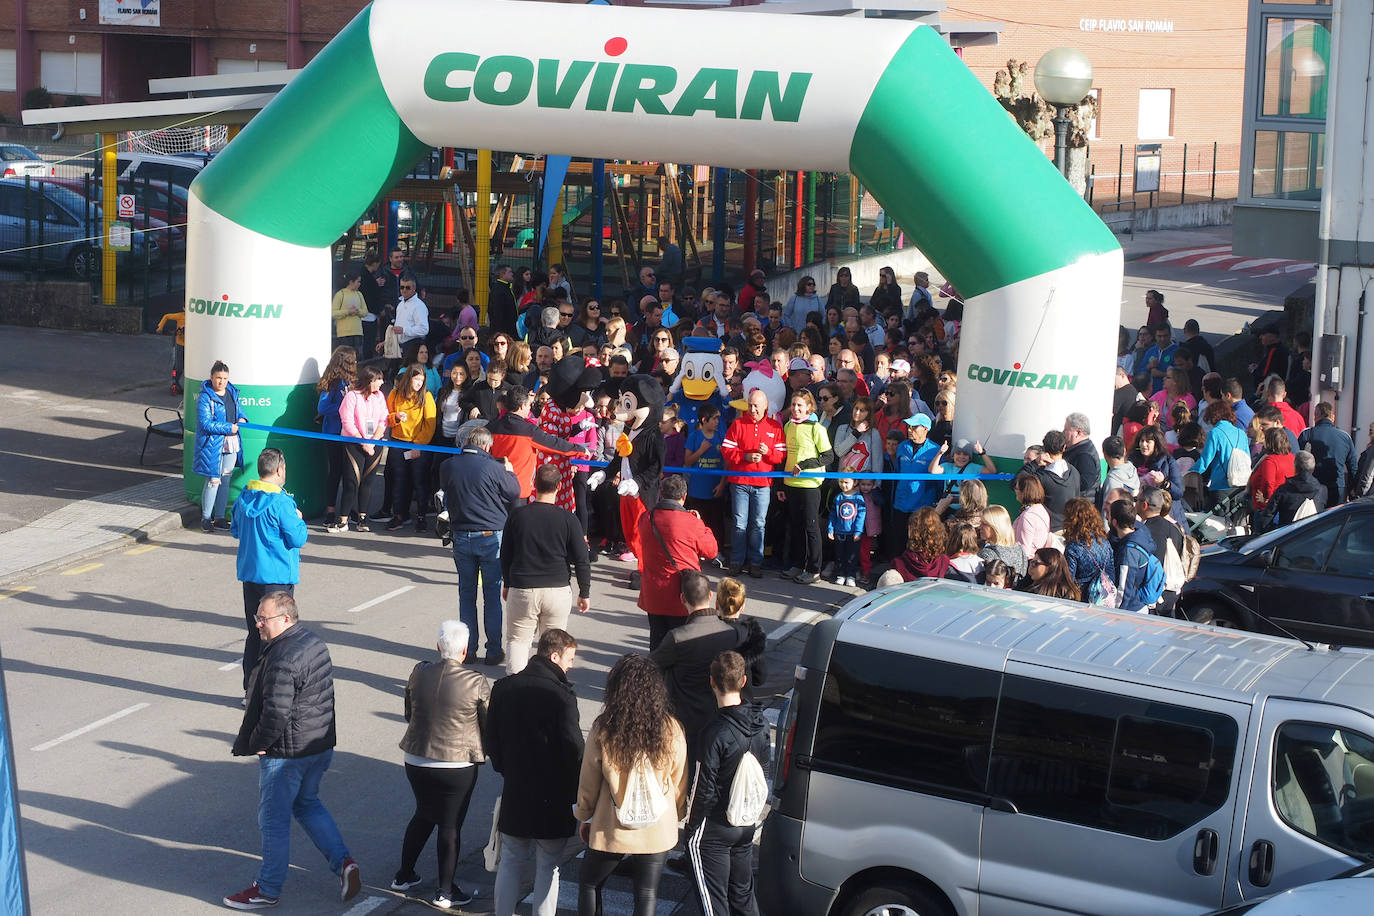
[[708, 472]]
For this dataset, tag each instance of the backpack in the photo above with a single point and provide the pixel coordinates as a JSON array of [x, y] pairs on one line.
[[1175, 573], [1152, 584], [645, 800], [1102, 590], [1192, 555], [1307, 508], [748, 793], [1238, 468]]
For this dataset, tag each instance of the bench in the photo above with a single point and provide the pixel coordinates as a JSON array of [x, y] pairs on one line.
[[167, 428]]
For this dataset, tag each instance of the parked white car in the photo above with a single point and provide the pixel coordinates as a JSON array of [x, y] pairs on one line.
[[18, 160]]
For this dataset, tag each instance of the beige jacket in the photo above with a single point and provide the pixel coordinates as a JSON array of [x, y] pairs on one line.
[[446, 706], [601, 787]]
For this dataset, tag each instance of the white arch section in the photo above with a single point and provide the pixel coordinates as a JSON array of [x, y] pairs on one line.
[[1040, 273]]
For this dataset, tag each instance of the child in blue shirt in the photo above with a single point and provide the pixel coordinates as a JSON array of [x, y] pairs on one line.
[[705, 492], [847, 514]]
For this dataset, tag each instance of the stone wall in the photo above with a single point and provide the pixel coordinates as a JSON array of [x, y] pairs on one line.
[[64, 305]]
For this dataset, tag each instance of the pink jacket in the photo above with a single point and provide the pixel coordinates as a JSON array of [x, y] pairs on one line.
[[586, 436], [1032, 529], [358, 410]]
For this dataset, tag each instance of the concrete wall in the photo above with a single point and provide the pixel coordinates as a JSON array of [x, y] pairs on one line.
[[66, 306], [904, 263]]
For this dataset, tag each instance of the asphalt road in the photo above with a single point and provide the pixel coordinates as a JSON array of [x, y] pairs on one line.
[[71, 407], [124, 683]]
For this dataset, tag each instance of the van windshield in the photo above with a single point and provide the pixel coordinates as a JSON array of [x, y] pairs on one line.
[[1324, 785]]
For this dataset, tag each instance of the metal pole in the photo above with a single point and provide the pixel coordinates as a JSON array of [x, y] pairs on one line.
[[1061, 141], [1214, 170], [1120, 167], [810, 217], [598, 221], [108, 294], [1183, 190], [481, 273], [751, 205], [718, 219]]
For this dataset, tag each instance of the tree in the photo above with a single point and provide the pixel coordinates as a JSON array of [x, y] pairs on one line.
[[1014, 88], [37, 97]]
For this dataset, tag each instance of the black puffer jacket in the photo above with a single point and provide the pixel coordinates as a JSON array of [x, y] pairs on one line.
[[535, 742], [753, 646], [290, 698], [1291, 494], [734, 730]]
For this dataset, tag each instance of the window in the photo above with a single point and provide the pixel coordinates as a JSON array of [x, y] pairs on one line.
[[1296, 75], [1288, 165], [908, 722], [70, 72], [1323, 785], [1111, 762], [252, 65], [12, 203], [1353, 552], [1156, 117], [1309, 550], [8, 80]]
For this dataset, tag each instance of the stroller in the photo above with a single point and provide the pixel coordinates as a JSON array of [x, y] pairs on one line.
[[1229, 516]]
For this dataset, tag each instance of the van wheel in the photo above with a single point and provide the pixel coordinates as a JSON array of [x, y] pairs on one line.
[[897, 900]]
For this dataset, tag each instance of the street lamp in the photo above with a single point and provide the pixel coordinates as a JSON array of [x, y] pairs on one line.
[[1063, 77]]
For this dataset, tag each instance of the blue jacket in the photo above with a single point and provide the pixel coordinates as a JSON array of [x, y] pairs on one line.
[[1088, 561], [1134, 563], [911, 495], [1173, 482], [478, 491], [328, 408], [1335, 454], [1224, 438], [212, 425], [847, 515], [270, 535]]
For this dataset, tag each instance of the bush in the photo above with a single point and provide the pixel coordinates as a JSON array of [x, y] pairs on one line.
[[74, 101], [37, 97]]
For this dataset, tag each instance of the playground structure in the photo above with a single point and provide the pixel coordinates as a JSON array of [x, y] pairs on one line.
[[1040, 273]]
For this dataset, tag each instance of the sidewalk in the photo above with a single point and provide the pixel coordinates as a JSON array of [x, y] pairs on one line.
[[91, 527]]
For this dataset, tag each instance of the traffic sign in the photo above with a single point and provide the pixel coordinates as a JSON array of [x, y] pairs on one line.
[[126, 206]]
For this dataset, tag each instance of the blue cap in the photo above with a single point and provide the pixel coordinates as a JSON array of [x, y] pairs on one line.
[[919, 419]]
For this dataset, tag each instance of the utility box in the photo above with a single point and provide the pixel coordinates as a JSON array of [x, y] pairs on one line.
[[1331, 373]]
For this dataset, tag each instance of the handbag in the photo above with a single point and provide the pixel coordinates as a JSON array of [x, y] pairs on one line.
[[391, 346], [491, 853]]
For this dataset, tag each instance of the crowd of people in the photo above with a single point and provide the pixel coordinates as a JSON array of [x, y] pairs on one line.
[[565, 414]]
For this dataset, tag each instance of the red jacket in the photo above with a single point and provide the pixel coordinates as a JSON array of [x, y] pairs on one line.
[[744, 436], [689, 541], [1291, 418], [520, 440]]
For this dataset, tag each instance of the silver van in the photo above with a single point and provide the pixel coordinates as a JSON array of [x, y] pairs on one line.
[[953, 749]]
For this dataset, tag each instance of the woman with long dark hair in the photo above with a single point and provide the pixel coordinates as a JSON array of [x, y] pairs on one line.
[[218, 450], [843, 293], [333, 385], [636, 731], [1086, 549], [1049, 576], [887, 296], [411, 415]]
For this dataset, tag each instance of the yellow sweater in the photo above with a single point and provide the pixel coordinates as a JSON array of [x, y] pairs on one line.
[[418, 426], [348, 323]]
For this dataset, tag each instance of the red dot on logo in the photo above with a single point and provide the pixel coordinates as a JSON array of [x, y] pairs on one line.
[[225, 297], [616, 46], [1016, 365]]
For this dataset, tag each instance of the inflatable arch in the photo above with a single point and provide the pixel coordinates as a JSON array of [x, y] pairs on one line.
[[888, 101]]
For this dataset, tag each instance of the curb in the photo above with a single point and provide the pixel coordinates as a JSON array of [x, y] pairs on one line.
[[168, 521]]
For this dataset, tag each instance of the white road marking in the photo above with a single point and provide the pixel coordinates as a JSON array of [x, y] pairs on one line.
[[379, 599], [366, 905], [1185, 253], [786, 629], [232, 665], [46, 745]]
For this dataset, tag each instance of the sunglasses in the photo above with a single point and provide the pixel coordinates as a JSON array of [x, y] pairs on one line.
[[565, 314], [593, 308]]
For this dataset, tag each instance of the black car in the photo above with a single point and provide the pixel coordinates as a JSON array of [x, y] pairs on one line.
[[1313, 579]]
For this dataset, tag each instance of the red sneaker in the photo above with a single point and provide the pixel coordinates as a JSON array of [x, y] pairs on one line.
[[250, 899], [350, 880]]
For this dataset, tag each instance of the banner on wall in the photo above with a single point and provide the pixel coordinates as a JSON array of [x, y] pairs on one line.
[[131, 12]]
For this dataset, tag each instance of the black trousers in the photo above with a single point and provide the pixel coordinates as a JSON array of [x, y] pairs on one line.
[[581, 495], [441, 802], [644, 870], [334, 452], [359, 468], [410, 482], [253, 593], [804, 528], [723, 865], [660, 625]]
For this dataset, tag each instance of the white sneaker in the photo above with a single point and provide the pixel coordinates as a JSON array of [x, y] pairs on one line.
[[849, 581], [839, 580]]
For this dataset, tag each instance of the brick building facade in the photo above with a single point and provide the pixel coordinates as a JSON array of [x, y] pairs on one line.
[[1168, 72]]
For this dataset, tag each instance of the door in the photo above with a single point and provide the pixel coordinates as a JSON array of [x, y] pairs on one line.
[[1310, 813], [1320, 585], [1108, 797]]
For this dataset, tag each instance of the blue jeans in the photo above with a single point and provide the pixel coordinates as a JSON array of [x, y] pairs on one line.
[[477, 553], [749, 508], [215, 496], [290, 787]]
